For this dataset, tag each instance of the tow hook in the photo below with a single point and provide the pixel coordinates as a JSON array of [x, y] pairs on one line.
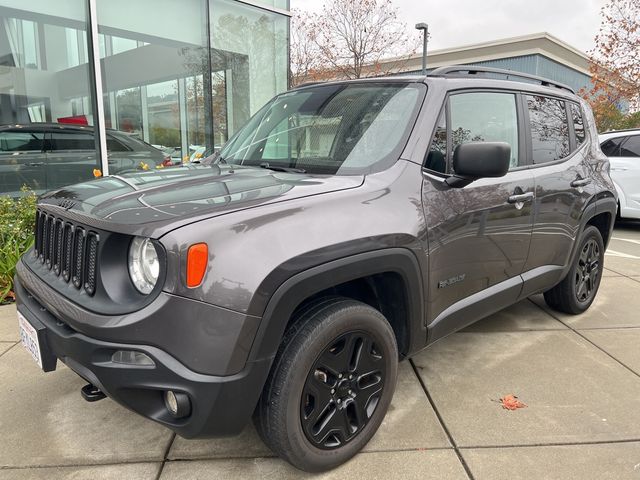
[[91, 393]]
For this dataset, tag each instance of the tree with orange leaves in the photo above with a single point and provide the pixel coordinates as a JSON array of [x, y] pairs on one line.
[[615, 68]]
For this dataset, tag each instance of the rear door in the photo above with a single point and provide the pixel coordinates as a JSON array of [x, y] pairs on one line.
[[625, 171], [71, 157], [558, 149], [479, 235], [22, 161]]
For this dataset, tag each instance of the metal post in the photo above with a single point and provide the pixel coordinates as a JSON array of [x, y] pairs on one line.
[[425, 40], [95, 71]]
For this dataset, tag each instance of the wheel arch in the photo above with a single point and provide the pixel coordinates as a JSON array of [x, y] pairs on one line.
[[362, 277], [601, 213]]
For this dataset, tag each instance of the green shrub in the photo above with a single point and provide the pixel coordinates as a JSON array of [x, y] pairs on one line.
[[17, 218]]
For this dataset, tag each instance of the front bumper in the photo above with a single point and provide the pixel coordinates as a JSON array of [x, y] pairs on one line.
[[220, 405]]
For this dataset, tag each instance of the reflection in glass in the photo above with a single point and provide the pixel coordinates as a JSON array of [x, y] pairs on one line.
[[43, 55]]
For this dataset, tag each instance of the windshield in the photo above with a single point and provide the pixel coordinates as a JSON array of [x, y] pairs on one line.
[[330, 129]]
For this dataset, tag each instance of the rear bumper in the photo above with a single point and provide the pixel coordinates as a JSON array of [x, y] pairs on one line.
[[220, 405]]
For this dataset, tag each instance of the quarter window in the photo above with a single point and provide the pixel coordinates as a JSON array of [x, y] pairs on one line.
[[578, 124], [437, 156], [611, 147], [549, 129], [631, 148]]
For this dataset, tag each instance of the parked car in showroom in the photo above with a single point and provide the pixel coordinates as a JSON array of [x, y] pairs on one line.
[[345, 227], [46, 156], [623, 149]]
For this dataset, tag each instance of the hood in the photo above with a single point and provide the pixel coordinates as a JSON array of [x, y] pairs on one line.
[[144, 202]]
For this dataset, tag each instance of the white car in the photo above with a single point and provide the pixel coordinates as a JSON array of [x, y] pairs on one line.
[[623, 149]]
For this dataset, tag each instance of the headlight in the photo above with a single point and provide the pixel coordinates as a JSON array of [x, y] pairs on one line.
[[144, 265]]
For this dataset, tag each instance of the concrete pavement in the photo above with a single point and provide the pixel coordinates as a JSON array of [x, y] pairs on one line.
[[579, 376]]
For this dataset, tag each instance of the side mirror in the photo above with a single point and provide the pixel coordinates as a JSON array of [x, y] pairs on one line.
[[475, 160]]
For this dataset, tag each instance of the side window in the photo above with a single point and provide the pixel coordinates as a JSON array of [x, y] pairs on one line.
[[578, 124], [437, 157], [611, 147], [114, 145], [485, 117], [631, 148], [21, 141], [549, 129], [72, 141]]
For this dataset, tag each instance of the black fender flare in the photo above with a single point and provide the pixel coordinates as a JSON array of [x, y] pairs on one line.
[[603, 204], [301, 286]]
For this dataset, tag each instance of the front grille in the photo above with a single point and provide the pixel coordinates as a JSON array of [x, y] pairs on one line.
[[69, 250]]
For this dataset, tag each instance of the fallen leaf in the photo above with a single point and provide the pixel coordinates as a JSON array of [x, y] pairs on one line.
[[97, 173], [511, 402]]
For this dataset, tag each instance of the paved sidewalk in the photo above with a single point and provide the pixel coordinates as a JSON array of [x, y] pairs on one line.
[[579, 376]]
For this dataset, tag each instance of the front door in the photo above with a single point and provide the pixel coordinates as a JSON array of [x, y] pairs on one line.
[[479, 235], [22, 161], [71, 157]]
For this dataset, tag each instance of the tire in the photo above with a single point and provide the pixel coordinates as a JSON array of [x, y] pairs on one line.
[[330, 385], [576, 292]]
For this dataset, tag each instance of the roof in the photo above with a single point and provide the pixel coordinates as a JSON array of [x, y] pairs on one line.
[[541, 43]]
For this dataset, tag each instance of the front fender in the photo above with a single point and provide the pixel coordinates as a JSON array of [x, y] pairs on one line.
[[303, 285]]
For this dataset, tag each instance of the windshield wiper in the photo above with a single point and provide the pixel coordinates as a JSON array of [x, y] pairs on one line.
[[278, 168]]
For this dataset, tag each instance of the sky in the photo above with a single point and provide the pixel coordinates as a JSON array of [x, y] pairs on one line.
[[455, 23]]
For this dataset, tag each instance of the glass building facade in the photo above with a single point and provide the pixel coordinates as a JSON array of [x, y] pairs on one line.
[[180, 75]]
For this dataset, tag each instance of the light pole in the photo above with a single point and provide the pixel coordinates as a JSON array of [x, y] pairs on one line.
[[425, 32]]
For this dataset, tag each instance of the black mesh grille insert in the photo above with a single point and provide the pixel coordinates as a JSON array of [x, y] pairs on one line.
[[92, 260], [36, 233], [67, 253], [57, 249], [43, 236], [71, 251], [78, 256], [49, 241]]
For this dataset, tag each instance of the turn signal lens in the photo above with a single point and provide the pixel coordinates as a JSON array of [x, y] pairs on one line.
[[197, 258]]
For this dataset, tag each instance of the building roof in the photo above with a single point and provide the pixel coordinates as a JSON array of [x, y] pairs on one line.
[[537, 43]]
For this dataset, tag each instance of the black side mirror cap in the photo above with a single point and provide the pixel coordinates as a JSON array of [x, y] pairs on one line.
[[475, 160]]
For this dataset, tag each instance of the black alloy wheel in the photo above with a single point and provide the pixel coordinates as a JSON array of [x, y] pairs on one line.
[[577, 291], [330, 384], [342, 390], [588, 271]]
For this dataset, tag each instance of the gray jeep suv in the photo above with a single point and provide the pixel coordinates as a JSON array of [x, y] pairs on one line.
[[347, 226]]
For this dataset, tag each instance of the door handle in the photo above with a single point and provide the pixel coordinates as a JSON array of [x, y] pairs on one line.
[[35, 164], [520, 198], [581, 182]]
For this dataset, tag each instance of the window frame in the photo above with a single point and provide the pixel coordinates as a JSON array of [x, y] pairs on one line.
[[523, 157], [572, 140]]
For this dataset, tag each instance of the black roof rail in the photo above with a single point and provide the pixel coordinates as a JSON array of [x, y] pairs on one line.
[[473, 70]]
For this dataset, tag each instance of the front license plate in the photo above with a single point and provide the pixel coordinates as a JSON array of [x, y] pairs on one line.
[[29, 338]]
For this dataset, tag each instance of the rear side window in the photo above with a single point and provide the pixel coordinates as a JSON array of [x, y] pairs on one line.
[[611, 147], [72, 141], [549, 129], [21, 141], [578, 124], [631, 148], [114, 145]]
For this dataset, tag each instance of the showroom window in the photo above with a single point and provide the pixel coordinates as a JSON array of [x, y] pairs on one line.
[[184, 90]]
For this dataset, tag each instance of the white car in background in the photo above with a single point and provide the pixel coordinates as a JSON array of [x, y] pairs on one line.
[[623, 149]]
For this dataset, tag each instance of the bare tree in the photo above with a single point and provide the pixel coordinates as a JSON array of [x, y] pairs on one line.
[[304, 59], [349, 39]]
